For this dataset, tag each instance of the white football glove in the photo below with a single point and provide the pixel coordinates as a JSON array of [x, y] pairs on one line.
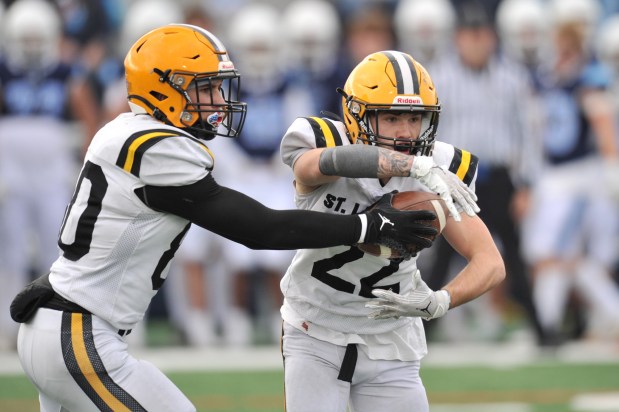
[[448, 186], [422, 302]]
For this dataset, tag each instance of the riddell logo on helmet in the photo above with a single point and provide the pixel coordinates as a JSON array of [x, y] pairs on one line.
[[226, 65], [407, 100]]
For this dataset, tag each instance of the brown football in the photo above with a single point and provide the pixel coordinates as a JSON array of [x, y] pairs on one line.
[[412, 201]]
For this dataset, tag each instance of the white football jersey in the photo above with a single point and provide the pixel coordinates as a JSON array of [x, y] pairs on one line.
[[326, 290], [115, 250]]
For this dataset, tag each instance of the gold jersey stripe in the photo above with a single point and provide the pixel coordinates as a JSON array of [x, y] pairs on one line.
[[464, 164], [83, 361], [133, 150], [325, 132], [128, 165]]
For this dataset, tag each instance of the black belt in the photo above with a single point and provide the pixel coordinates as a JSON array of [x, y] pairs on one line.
[[57, 302], [349, 363]]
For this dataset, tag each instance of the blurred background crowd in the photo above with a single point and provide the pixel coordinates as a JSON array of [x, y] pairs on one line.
[[530, 86]]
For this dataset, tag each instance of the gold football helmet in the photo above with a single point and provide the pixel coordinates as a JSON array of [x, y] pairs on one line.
[[165, 63], [390, 81]]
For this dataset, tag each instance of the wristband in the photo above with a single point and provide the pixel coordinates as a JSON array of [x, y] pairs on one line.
[[364, 227], [448, 297]]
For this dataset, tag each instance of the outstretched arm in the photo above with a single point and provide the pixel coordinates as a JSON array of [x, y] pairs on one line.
[[244, 220]]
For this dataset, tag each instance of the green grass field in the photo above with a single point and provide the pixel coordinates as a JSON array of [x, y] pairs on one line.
[[545, 387]]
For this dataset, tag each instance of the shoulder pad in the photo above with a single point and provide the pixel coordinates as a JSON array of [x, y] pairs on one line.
[[132, 151]]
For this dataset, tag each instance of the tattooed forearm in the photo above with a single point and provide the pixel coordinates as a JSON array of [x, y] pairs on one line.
[[392, 163], [364, 161]]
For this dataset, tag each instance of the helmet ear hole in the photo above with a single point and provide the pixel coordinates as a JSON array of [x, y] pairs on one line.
[[159, 96]]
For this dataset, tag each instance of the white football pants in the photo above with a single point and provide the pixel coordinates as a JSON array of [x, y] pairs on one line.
[[321, 376], [80, 363]]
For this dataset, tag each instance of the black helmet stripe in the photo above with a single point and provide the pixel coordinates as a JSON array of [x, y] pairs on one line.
[[405, 72], [218, 46]]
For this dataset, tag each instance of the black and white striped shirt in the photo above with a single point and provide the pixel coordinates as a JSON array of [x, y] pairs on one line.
[[489, 112]]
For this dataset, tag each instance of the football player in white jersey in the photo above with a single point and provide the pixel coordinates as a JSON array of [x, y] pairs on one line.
[[146, 177], [341, 345]]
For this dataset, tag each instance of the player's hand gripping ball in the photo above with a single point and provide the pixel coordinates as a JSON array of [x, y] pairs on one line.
[[412, 201]]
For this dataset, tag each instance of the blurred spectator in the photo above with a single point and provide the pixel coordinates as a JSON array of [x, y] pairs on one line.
[[570, 236], [424, 28], [197, 293], [367, 30], [490, 7], [198, 14], [608, 51], [351, 7], [85, 21], [584, 13], [523, 31], [311, 47], [524, 36], [40, 99], [141, 17], [485, 99], [88, 27]]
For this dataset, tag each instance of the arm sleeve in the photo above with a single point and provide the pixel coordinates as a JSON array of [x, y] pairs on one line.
[[242, 219], [350, 161]]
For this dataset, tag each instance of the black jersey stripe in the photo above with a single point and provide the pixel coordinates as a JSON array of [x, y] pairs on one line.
[[166, 257], [325, 132], [464, 165], [337, 138], [85, 365], [472, 169], [130, 156], [318, 135]]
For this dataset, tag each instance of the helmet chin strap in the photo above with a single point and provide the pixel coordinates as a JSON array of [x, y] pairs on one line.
[[137, 109], [198, 131], [426, 127]]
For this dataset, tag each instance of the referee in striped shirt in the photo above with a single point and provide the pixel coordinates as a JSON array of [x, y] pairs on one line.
[[485, 101]]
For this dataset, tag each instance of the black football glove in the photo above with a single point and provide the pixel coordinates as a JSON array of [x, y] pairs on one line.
[[391, 227]]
